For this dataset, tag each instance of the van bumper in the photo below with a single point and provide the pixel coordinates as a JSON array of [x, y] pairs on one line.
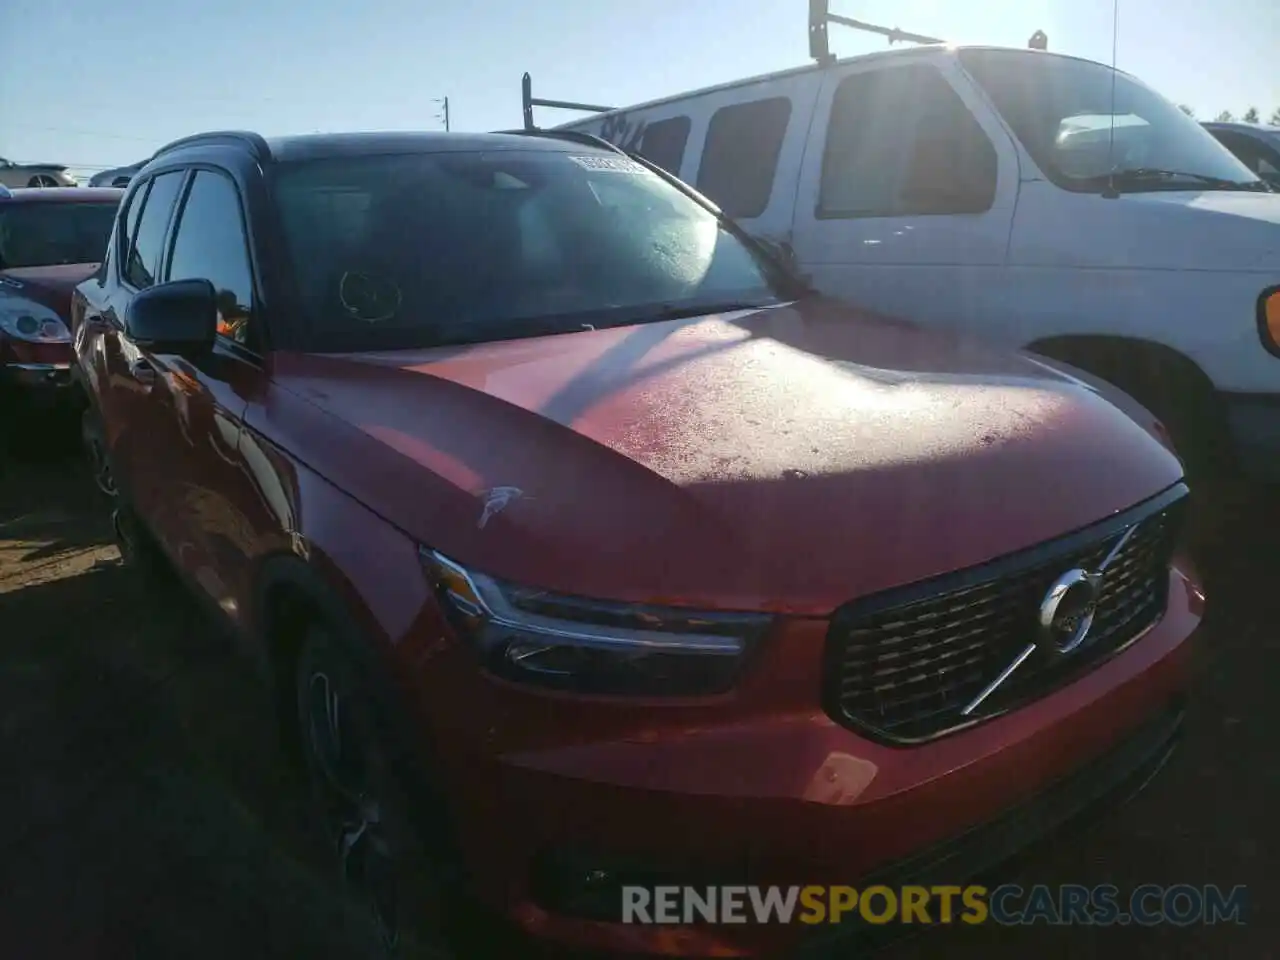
[[1254, 422]]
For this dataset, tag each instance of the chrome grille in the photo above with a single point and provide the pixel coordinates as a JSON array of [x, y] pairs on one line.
[[902, 665]]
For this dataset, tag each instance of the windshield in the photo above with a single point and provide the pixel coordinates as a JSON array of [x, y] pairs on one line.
[[417, 250], [1062, 111], [44, 234]]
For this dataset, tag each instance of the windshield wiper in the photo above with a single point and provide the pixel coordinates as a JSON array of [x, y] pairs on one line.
[[1132, 177]]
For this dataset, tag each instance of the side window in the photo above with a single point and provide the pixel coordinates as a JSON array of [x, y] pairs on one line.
[[901, 142], [741, 155], [210, 245], [148, 236], [129, 221], [663, 143]]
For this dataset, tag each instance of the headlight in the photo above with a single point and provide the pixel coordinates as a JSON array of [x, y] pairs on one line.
[[568, 643], [24, 319]]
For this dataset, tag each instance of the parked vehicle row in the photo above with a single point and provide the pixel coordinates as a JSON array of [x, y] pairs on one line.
[[1036, 200], [584, 544], [589, 532]]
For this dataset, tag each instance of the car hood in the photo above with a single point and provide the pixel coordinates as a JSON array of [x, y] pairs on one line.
[[1159, 230], [784, 459], [51, 286]]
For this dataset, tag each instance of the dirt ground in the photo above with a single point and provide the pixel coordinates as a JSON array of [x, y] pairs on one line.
[[145, 812]]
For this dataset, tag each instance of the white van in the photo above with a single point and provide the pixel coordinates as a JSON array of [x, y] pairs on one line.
[[968, 187]]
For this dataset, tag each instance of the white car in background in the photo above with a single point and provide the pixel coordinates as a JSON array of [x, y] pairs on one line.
[[34, 174]]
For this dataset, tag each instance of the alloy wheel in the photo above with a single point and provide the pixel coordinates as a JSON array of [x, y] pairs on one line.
[[99, 464], [354, 819]]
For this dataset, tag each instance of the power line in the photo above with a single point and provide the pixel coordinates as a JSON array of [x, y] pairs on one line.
[[79, 130]]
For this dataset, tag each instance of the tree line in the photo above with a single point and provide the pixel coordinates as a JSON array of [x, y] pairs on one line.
[[1226, 116]]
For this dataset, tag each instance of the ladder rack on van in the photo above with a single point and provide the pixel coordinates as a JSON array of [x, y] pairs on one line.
[[820, 15], [530, 101]]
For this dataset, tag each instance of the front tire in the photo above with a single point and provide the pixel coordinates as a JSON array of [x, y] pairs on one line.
[[361, 805]]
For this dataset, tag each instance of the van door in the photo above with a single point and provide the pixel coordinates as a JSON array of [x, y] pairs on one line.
[[907, 192], [750, 151]]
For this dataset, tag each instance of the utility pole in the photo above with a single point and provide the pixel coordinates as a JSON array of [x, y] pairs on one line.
[[446, 114]]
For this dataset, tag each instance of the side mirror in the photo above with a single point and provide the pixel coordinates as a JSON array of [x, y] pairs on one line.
[[177, 317]]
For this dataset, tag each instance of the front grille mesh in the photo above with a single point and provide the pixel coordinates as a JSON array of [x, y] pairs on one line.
[[904, 670]]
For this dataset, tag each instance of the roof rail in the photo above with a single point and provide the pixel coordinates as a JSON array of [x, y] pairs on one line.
[[820, 15], [574, 136], [529, 101], [256, 143]]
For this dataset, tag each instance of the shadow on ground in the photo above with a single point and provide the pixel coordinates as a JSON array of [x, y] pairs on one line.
[[145, 810]]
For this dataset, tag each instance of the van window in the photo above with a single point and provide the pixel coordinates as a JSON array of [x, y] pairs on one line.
[[663, 143], [741, 155], [1062, 110], [900, 142]]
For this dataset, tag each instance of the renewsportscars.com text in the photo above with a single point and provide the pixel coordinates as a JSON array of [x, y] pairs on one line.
[[1008, 904]]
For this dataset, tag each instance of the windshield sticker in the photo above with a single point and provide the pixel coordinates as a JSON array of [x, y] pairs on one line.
[[608, 164]]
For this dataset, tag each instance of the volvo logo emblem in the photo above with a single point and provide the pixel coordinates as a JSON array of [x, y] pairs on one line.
[[1064, 621], [1067, 611]]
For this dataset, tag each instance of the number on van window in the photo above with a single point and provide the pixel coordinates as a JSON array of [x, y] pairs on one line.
[[661, 142]]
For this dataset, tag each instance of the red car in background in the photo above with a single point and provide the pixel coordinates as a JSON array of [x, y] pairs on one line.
[[50, 240], [583, 547]]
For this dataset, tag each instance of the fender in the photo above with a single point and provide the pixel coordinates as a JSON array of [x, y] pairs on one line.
[[408, 742], [291, 572]]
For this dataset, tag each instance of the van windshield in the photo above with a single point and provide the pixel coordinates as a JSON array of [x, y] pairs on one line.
[[1063, 109], [417, 250]]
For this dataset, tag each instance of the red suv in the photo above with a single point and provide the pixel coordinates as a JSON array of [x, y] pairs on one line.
[[50, 240], [584, 547]]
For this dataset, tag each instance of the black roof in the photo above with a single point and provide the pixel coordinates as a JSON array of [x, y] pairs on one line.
[[321, 145], [316, 146]]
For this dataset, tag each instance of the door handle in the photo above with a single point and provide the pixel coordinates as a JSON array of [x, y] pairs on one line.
[[142, 371]]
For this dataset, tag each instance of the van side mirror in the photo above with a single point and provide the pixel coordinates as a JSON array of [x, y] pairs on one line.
[[177, 317]]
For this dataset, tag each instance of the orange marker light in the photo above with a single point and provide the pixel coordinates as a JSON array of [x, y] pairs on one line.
[[1271, 316]]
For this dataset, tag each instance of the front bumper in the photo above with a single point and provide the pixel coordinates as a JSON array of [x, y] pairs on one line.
[[38, 386], [37, 376], [787, 797], [1102, 784], [1253, 420]]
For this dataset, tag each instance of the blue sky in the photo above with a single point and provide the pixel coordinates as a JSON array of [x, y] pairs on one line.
[[86, 82]]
